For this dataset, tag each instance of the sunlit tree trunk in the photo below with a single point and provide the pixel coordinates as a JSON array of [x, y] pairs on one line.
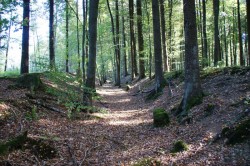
[[170, 15], [204, 26], [140, 40], [125, 68], [51, 36], [67, 35], [225, 35], [248, 28], [118, 52], [192, 88], [163, 36], [216, 4], [159, 79], [91, 71], [240, 34], [25, 37]]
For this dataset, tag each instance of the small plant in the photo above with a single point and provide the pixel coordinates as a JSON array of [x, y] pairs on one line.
[[179, 146], [33, 114], [161, 117], [147, 162]]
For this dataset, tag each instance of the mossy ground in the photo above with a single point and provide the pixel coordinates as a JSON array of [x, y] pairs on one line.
[[161, 117], [179, 146]]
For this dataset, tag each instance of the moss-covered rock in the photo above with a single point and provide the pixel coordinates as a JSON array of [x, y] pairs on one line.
[[13, 144], [31, 81], [147, 162], [237, 133], [161, 117], [179, 146]]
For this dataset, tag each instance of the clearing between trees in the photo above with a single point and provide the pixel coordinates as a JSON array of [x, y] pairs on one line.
[[120, 130]]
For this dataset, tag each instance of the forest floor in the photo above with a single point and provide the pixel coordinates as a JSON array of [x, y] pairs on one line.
[[122, 133]]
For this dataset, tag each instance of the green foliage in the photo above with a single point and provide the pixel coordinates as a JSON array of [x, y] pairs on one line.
[[13, 144], [32, 115], [174, 74], [161, 117], [237, 133], [147, 162], [179, 146]]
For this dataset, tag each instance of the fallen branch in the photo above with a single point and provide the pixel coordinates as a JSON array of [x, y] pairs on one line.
[[37, 96], [47, 106]]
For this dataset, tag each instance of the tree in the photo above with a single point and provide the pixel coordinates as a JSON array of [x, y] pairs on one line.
[[240, 34], [25, 37], [51, 36], [204, 31], [163, 36], [159, 79], [216, 4], [118, 52], [132, 38], [67, 35], [124, 44], [91, 71], [192, 88], [84, 15], [248, 29], [140, 40]]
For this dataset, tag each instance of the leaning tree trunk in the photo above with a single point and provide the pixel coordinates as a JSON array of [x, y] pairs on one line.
[[91, 71], [51, 36], [159, 79], [192, 88], [248, 29], [216, 4], [25, 37], [140, 40], [240, 34]]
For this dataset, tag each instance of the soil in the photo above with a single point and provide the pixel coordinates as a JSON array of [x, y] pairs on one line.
[[123, 132]]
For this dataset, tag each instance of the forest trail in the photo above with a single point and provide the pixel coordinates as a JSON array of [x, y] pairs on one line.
[[122, 133]]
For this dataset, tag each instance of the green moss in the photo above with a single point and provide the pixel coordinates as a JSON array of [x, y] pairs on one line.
[[31, 81], [147, 162], [179, 146], [161, 117], [209, 109], [239, 133], [13, 144]]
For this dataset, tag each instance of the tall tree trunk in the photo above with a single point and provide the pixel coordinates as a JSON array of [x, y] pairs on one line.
[[8, 43], [78, 41], [216, 4], [125, 68], [91, 71], [192, 88], [204, 26], [25, 37], [159, 79], [248, 29], [67, 35], [118, 52], [225, 35], [234, 38], [240, 34], [132, 37], [163, 36], [170, 6], [149, 41], [51, 36], [140, 40], [84, 15]]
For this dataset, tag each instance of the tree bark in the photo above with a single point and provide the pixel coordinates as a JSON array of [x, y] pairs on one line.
[[118, 52], [51, 36], [192, 88], [240, 34], [67, 35], [216, 4], [204, 22], [91, 72], [125, 68], [159, 79], [140, 40], [25, 37], [163, 36], [248, 29], [132, 37]]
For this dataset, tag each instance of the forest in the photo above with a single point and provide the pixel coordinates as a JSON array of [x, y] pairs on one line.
[[136, 82]]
